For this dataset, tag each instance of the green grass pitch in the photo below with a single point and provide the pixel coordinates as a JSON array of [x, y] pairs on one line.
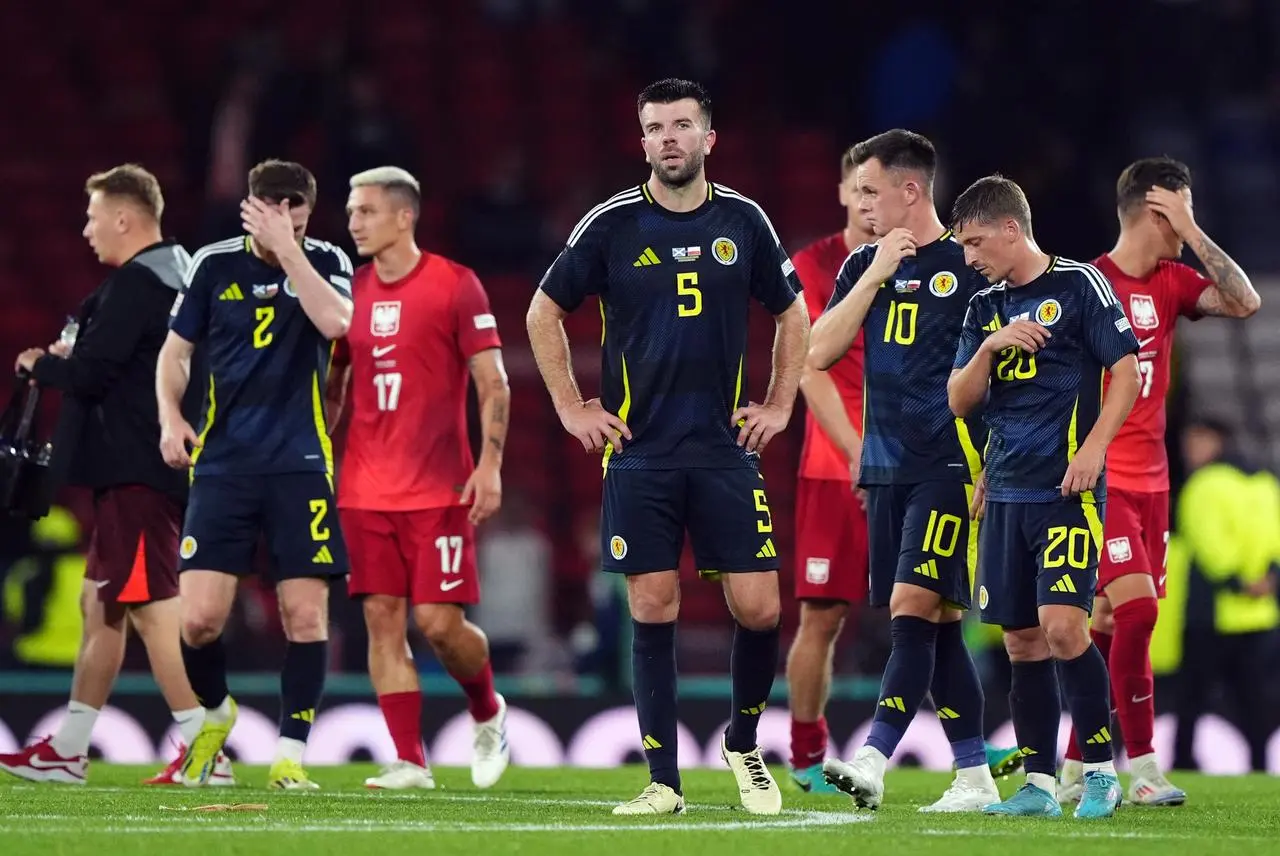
[[555, 811]]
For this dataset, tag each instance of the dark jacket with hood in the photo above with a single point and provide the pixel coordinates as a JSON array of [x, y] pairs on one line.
[[108, 432]]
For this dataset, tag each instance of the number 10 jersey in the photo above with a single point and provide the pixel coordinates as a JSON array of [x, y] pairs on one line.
[[910, 333], [409, 348]]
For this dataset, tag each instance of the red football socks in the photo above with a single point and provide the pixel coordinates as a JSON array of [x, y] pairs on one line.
[[1132, 685], [1103, 641], [482, 700], [808, 743], [403, 713]]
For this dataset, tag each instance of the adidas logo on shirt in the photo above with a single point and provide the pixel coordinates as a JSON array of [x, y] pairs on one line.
[[648, 257]]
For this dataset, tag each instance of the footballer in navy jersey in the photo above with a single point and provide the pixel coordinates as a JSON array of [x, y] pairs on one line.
[[907, 294], [675, 264], [264, 307], [1035, 346], [912, 327], [675, 289], [267, 361]]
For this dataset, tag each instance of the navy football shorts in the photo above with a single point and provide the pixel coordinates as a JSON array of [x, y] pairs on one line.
[[1037, 554], [293, 514], [921, 534], [725, 511]]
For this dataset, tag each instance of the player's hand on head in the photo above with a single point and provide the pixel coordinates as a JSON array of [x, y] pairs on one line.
[[891, 250], [1084, 470], [483, 492], [594, 426], [1026, 335], [270, 225], [175, 435], [1175, 208], [758, 424]]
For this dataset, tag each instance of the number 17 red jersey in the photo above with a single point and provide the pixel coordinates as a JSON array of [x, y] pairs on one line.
[[407, 445], [1136, 458]]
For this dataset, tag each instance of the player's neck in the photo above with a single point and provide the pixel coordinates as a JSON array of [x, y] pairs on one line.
[[395, 262], [135, 245], [1031, 265], [1133, 257], [925, 225], [681, 200]]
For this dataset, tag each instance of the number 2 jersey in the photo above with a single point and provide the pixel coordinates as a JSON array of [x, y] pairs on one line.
[[409, 348], [910, 336], [675, 289], [1042, 406], [264, 406]]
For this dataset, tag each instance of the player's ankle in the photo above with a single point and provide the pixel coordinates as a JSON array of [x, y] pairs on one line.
[[289, 749], [221, 713], [1043, 781], [1107, 767]]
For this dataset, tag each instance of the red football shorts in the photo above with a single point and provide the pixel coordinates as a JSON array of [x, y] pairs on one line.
[[133, 554], [831, 542], [425, 556], [1135, 537]]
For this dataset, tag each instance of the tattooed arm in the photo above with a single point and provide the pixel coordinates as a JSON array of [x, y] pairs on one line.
[[484, 489], [1231, 295]]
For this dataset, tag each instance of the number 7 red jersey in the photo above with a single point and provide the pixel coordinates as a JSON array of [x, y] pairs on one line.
[[1136, 458], [408, 347]]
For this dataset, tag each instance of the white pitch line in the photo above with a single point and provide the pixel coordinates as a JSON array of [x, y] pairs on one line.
[[800, 820]]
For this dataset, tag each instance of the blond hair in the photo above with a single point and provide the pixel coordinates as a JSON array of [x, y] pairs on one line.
[[129, 181]]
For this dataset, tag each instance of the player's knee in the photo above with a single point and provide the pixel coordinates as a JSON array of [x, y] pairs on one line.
[[1104, 622], [1067, 634], [653, 598], [386, 618], [438, 622], [764, 615], [823, 619], [304, 620], [1026, 645], [199, 627], [915, 601]]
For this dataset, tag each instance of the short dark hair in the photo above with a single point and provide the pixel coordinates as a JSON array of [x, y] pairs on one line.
[[899, 149], [672, 89], [989, 199], [279, 180], [129, 181], [1142, 175]]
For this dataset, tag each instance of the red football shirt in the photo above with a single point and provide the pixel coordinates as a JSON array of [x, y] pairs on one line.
[[407, 446], [1136, 459], [818, 265]]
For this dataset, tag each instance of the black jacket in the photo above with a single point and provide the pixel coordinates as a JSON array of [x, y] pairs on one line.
[[108, 430]]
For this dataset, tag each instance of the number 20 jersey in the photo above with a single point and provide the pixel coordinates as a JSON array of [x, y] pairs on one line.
[[910, 333], [409, 349], [675, 289]]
